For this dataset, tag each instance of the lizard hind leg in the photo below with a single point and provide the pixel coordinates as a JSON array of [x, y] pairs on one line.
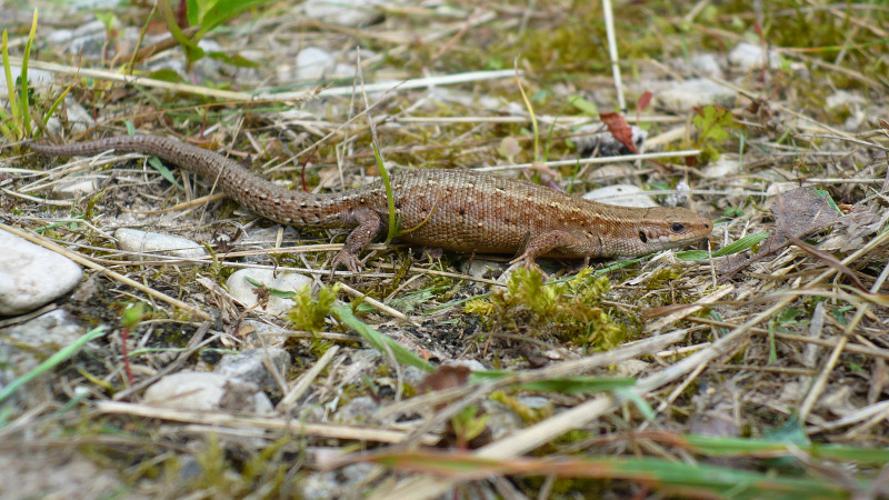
[[568, 243], [367, 225]]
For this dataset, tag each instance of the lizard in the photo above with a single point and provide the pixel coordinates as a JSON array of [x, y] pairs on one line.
[[453, 209]]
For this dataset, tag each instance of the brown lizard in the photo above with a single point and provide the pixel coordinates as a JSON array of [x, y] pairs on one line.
[[456, 210]]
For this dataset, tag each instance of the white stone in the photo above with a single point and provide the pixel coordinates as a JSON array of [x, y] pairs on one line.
[[134, 240], [723, 167], [706, 64], [242, 290], [202, 391], [747, 56], [624, 195], [312, 63], [78, 117], [688, 94], [76, 186], [342, 12], [777, 188], [31, 276]]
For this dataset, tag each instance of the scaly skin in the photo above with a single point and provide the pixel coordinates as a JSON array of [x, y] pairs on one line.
[[457, 210]]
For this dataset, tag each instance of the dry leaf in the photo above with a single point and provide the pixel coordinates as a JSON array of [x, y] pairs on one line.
[[619, 128], [797, 213]]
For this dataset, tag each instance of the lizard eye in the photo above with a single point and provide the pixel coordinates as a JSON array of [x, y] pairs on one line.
[[677, 227]]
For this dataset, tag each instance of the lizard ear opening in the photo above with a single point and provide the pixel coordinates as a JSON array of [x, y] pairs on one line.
[[643, 237]]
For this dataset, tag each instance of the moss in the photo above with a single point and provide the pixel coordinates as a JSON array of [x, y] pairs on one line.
[[571, 310]]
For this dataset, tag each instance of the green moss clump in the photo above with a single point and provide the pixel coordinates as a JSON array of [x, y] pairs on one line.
[[571, 310], [310, 310]]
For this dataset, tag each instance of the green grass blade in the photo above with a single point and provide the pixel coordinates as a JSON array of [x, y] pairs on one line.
[[390, 196], [51, 362], [192, 51], [24, 97], [734, 247], [56, 104], [165, 172], [379, 341], [10, 88], [565, 385]]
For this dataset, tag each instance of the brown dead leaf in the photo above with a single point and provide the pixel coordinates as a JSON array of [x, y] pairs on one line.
[[619, 128], [644, 101], [445, 377], [798, 213]]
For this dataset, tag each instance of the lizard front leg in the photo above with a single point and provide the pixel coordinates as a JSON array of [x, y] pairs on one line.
[[568, 243], [367, 226]]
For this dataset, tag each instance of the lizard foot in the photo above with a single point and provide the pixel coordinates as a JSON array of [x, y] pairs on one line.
[[345, 259], [528, 262]]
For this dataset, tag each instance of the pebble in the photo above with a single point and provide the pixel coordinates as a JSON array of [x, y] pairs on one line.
[[76, 186], [248, 366], [245, 292], [706, 64], [32, 276], [688, 94], [357, 411], [134, 240], [723, 167], [343, 12], [481, 268], [747, 56], [312, 63], [624, 195], [203, 391]]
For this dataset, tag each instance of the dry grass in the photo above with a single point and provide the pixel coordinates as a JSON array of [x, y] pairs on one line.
[[729, 378]]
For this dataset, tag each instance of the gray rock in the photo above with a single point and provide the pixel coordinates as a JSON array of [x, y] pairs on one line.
[[31, 276], [249, 366], [341, 483], [202, 391], [342, 12], [78, 117], [688, 94], [134, 240], [357, 411], [26, 345], [86, 40], [242, 290], [624, 195]]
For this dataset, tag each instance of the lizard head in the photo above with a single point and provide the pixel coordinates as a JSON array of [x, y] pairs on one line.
[[656, 229], [664, 228]]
